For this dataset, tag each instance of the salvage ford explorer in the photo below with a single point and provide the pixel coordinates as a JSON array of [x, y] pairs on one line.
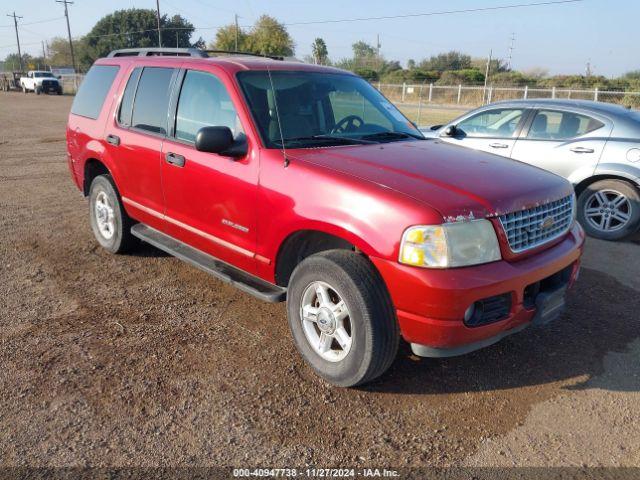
[[303, 183]]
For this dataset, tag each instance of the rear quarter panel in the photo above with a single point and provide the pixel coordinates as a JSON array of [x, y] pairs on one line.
[[85, 136]]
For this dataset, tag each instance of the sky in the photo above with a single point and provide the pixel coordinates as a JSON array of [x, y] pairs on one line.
[[559, 38]]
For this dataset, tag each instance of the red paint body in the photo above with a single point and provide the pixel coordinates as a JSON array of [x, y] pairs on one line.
[[365, 194]]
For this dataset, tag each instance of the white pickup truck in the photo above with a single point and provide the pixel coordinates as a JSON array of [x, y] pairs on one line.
[[40, 82]]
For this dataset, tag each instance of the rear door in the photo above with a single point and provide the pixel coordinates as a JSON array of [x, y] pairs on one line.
[[210, 198], [493, 130], [567, 142], [135, 139]]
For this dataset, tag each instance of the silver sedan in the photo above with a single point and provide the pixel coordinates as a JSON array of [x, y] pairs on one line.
[[594, 145]]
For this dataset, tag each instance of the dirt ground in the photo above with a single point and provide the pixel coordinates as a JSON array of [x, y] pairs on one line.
[[142, 360]]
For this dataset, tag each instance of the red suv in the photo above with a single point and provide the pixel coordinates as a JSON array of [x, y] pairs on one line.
[[303, 183]]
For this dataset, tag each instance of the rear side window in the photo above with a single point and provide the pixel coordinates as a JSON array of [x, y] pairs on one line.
[[93, 91], [126, 106], [556, 125], [151, 103]]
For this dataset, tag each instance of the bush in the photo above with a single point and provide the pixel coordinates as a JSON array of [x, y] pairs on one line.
[[468, 76]]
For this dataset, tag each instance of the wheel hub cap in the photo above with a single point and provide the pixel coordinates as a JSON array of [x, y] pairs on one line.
[[326, 322]]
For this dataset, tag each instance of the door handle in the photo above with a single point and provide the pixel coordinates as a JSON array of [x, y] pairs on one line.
[[581, 150], [113, 140], [498, 145], [175, 159]]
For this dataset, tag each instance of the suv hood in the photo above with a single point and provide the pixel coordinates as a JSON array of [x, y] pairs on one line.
[[458, 182]]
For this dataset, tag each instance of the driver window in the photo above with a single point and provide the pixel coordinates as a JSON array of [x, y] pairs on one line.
[[348, 103], [204, 102], [498, 123]]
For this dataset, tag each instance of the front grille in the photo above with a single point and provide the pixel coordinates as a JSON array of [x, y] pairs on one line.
[[48, 83], [536, 226]]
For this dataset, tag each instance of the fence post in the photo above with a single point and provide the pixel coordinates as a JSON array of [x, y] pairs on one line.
[[490, 94], [595, 95], [404, 88], [379, 86], [553, 92], [430, 92], [526, 91], [459, 92], [419, 104]]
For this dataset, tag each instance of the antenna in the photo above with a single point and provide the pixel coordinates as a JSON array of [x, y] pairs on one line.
[[275, 103]]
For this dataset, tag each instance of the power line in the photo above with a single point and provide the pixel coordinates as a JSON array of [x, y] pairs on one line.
[[429, 14], [34, 23]]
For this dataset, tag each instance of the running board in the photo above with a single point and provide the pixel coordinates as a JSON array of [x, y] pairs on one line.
[[227, 273]]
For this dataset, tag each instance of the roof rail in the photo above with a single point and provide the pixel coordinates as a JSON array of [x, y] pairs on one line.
[[181, 52], [157, 52], [250, 54]]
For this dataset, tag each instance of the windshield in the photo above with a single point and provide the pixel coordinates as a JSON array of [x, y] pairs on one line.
[[42, 74], [321, 109]]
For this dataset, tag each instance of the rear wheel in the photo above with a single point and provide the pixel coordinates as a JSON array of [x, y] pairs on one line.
[[609, 209], [110, 223], [341, 317]]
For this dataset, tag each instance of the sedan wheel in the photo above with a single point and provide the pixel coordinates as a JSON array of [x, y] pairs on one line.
[[609, 209]]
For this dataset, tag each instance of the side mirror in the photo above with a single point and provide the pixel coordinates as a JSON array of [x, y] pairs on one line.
[[450, 131], [436, 127], [219, 140]]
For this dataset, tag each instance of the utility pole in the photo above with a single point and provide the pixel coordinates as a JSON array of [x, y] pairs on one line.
[[486, 74], [44, 52], [236, 22], [15, 22], [66, 14], [158, 18], [513, 39], [378, 50]]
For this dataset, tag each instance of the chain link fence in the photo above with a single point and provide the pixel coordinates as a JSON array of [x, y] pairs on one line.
[[417, 100]]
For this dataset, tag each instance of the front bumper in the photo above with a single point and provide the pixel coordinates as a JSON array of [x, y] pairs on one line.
[[430, 304]]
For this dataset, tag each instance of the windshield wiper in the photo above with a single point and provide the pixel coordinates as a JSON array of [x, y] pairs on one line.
[[323, 137], [391, 136]]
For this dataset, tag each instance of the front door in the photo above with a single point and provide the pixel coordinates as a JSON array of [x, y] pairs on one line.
[[564, 142], [210, 199], [493, 130]]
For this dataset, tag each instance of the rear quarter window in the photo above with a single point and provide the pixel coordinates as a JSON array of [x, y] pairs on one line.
[[93, 90]]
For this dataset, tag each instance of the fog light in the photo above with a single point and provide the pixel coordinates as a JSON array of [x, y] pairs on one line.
[[468, 314]]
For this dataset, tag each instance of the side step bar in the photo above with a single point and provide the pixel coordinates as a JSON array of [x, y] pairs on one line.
[[227, 273]]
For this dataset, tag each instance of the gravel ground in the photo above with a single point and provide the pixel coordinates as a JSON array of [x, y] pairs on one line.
[[141, 360]]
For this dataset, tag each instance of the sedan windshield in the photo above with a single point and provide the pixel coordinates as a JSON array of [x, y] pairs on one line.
[[312, 109]]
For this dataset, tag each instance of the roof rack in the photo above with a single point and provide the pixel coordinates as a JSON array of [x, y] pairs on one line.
[[181, 52], [157, 52]]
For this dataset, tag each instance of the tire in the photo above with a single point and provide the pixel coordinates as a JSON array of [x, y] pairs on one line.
[[371, 323], [38, 90], [614, 200], [112, 227], [59, 91]]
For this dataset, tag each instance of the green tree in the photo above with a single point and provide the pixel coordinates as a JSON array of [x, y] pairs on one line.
[[136, 28], [226, 39], [270, 37], [319, 51], [447, 61], [12, 61]]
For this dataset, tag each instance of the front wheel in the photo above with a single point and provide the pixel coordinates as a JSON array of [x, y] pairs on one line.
[[609, 209], [110, 223], [341, 317]]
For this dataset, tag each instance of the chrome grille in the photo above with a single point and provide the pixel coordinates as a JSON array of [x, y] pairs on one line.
[[536, 226]]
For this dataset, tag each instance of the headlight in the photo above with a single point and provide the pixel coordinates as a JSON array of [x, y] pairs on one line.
[[450, 245]]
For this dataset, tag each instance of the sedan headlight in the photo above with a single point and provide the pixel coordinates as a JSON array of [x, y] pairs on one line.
[[450, 245]]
